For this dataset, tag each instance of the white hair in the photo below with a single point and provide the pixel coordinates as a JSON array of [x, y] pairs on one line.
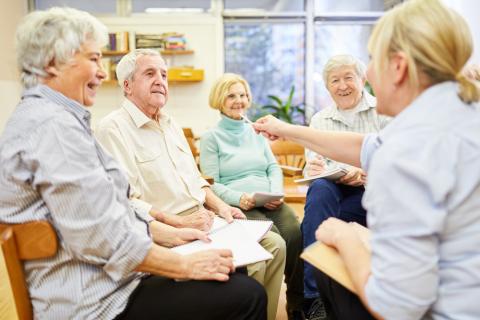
[[342, 60], [126, 67], [52, 37]]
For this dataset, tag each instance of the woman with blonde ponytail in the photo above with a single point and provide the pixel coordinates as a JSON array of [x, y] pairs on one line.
[[423, 192]]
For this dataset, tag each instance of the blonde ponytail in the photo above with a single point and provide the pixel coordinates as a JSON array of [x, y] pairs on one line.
[[468, 90]]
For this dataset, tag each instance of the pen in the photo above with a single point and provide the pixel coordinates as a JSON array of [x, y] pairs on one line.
[[246, 119]]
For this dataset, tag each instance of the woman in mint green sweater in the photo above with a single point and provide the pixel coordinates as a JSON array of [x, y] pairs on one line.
[[241, 163]]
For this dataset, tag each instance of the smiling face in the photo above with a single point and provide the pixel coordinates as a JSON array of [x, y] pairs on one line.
[[148, 89], [236, 102], [345, 87], [80, 78]]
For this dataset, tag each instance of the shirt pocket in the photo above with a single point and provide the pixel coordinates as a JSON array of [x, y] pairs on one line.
[[149, 164]]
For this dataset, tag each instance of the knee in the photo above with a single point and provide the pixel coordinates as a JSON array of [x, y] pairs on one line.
[[321, 185], [274, 243]]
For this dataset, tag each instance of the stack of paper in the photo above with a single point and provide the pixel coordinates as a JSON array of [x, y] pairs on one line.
[[240, 236], [331, 174]]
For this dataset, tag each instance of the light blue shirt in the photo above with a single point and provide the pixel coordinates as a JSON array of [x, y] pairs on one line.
[[239, 160], [51, 168], [423, 203]]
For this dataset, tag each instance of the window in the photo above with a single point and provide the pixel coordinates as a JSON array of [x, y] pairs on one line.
[[266, 5], [162, 6], [270, 56], [93, 6]]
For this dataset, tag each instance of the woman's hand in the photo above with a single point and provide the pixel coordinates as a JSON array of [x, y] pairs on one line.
[[331, 230], [270, 127], [209, 265], [247, 202], [273, 205], [355, 177]]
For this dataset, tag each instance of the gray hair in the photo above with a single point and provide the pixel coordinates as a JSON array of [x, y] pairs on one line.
[[53, 36], [342, 60], [127, 66]]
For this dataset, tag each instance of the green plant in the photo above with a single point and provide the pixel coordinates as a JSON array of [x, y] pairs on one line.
[[285, 110]]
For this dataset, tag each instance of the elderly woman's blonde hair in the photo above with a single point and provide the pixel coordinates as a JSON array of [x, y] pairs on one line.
[[435, 39], [344, 60], [53, 36], [219, 91]]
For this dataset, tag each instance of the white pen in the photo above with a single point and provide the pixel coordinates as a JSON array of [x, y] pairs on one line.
[[246, 119]]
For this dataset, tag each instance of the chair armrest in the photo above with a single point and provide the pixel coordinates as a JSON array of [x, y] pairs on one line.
[[291, 171], [209, 179]]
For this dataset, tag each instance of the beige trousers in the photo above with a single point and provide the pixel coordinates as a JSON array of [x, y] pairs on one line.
[[270, 272]]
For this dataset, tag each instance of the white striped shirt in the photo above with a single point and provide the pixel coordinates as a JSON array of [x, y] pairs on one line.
[[51, 168], [365, 120]]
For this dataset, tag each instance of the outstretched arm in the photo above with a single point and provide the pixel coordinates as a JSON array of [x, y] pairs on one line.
[[340, 146]]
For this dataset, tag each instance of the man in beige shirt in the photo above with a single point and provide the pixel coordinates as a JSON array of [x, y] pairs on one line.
[[162, 172]]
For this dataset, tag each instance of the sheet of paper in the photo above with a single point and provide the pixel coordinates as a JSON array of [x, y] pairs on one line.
[[331, 174], [256, 229], [244, 248], [261, 198]]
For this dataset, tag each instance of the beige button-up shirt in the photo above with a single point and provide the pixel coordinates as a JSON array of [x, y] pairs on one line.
[[161, 169]]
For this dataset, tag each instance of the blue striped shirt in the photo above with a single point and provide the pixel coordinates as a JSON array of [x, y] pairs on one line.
[[51, 168]]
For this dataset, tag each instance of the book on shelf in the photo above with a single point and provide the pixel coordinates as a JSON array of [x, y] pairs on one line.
[[117, 41], [241, 237]]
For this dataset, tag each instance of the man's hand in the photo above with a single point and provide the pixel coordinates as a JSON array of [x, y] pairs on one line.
[[275, 204], [270, 127], [331, 230], [201, 220], [247, 202], [168, 236], [209, 265], [229, 213], [315, 166], [355, 177]]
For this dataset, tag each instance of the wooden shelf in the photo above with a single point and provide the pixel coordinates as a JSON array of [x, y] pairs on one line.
[[185, 75], [114, 53], [176, 52]]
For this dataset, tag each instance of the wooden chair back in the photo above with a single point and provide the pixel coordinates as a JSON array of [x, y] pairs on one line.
[[191, 139], [289, 154], [20, 242]]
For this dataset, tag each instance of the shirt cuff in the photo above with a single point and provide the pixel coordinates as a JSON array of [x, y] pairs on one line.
[[142, 208]]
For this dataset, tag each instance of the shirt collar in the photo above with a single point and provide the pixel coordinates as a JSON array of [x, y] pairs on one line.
[[68, 104], [138, 117], [366, 103]]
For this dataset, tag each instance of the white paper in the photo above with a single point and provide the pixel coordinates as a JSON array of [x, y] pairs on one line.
[[261, 198], [331, 174], [235, 237]]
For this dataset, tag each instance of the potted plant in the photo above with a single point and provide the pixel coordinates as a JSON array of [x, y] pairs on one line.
[[284, 110]]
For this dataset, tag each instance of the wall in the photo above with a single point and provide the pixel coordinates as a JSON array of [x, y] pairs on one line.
[[188, 102], [11, 13]]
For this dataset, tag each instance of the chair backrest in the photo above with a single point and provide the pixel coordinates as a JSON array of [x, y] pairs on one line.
[[191, 141], [289, 153], [19, 242]]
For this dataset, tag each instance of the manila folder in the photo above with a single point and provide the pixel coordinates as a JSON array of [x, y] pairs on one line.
[[327, 260]]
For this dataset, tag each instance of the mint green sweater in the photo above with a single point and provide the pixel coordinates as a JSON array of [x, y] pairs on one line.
[[239, 161]]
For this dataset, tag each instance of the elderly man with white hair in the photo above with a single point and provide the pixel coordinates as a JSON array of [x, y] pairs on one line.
[[164, 178], [111, 261], [354, 110]]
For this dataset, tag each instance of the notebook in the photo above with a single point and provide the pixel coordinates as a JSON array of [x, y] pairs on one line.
[[261, 198], [240, 236], [328, 260], [331, 174]]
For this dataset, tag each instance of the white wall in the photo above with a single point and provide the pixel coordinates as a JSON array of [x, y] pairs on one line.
[[188, 102], [11, 13]]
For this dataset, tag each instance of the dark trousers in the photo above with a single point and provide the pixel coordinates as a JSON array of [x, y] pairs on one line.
[[328, 199], [340, 303], [285, 223], [241, 297]]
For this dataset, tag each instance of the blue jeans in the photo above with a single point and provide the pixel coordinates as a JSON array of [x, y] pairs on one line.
[[327, 199]]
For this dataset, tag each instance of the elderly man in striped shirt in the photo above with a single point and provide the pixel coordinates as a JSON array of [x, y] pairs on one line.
[[354, 109]]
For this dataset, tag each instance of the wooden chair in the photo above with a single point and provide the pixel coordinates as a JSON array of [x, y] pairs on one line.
[[191, 139], [20, 242], [290, 157]]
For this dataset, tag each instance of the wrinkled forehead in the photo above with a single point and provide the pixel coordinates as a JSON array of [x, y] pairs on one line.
[[342, 71], [150, 62]]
